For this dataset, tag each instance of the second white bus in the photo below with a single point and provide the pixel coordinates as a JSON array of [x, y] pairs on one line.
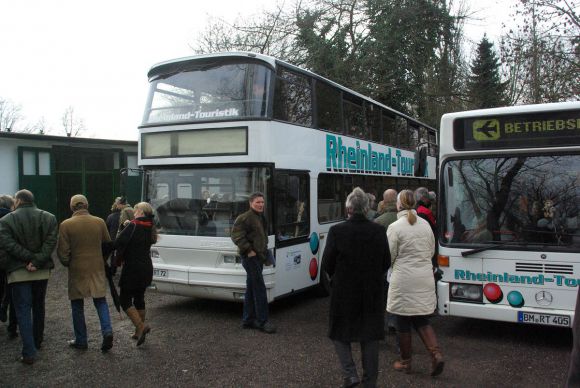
[[509, 241]]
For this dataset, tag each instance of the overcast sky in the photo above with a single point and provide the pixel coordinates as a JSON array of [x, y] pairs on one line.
[[94, 56]]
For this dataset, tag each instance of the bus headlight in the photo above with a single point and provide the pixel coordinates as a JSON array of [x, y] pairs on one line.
[[466, 292], [232, 259]]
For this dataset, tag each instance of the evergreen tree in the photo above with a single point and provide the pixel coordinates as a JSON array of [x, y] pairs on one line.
[[486, 90]]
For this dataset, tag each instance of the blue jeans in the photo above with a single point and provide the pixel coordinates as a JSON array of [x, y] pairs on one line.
[[78, 315], [255, 298], [28, 299]]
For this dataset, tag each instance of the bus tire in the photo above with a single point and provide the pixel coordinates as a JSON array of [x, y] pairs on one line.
[[323, 288]]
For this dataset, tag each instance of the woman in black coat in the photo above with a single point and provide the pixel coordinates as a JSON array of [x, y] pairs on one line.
[[135, 243], [357, 257]]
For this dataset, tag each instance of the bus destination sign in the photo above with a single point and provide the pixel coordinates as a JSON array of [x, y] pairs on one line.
[[549, 129]]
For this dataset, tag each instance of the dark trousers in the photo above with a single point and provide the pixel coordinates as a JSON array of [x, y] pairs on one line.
[[129, 298], [6, 305], [405, 322], [255, 297], [3, 287], [370, 361], [29, 298]]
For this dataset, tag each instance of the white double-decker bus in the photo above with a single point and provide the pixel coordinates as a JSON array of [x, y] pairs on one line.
[[218, 127], [509, 212]]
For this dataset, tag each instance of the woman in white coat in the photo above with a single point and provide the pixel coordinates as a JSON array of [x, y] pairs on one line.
[[412, 288]]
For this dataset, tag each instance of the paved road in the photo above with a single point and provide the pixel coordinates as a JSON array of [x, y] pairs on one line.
[[199, 343]]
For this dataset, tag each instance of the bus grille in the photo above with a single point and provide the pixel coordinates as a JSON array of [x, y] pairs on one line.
[[567, 269]]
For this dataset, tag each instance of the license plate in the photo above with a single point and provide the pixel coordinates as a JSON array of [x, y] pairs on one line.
[[160, 273], [544, 319]]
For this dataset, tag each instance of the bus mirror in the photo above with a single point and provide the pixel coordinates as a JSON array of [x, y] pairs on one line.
[[420, 161], [449, 177]]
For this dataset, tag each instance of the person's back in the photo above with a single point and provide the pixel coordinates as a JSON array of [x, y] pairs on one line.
[[82, 236], [412, 289], [388, 217], [414, 245], [80, 249], [423, 207], [357, 274], [389, 212], [357, 241], [85, 234], [28, 236], [356, 256], [30, 227]]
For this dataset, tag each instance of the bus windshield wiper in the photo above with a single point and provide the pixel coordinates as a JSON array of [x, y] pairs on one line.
[[495, 244]]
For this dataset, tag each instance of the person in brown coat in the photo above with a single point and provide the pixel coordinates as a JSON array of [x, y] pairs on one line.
[[79, 249]]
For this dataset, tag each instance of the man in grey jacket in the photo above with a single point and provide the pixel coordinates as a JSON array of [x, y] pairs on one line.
[[28, 237]]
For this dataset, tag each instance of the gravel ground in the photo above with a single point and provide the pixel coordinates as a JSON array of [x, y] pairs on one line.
[[199, 343]]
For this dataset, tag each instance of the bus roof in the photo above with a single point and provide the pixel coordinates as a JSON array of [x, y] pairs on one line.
[[548, 107], [272, 62], [520, 128]]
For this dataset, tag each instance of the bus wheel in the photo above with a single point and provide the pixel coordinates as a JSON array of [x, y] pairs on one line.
[[323, 288]]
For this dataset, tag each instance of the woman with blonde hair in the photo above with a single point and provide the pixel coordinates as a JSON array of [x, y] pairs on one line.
[[412, 290], [135, 241]]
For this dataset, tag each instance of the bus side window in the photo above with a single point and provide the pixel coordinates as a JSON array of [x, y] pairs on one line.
[[292, 206]]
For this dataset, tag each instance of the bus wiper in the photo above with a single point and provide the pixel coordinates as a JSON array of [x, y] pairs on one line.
[[502, 243], [493, 246]]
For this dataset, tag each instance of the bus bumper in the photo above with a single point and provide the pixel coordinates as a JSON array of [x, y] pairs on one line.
[[501, 312], [206, 283]]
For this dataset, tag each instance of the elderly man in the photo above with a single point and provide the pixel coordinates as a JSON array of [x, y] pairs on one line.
[[357, 256], [79, 249], [28, 237], [389, 213]]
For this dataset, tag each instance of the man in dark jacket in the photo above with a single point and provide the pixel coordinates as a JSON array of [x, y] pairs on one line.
[[357, 257], [6, 306], [28, 236], [250, 235]]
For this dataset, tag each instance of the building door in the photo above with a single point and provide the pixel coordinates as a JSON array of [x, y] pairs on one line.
[[85, 171]]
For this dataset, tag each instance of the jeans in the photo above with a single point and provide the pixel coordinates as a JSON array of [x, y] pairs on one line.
[[255, 298], [78, 315], [28, 299], [370, 361]]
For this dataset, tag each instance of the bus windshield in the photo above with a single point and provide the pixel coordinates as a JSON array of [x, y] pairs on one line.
[[203, 202], [527, 200], [222, 91]]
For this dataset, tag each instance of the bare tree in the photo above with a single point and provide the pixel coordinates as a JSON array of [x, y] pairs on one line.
[[272, 33], [72, 125], [9, 115], [541, 53], [40, 127]]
